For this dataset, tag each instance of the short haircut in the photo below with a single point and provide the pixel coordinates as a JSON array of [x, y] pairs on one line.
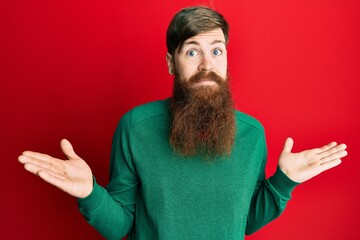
[[190, 22]]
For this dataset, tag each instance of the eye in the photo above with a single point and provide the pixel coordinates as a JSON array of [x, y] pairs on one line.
[[217, 52], [192, 53]]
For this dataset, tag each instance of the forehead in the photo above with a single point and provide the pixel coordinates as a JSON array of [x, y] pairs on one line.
[[216, 35]]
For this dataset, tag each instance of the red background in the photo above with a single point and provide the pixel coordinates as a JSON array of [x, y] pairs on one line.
[[71, 69]]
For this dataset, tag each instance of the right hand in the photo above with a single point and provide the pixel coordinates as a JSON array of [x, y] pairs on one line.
[[73, 176]]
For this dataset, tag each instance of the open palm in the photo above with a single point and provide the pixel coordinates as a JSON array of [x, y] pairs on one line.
[[304, 165], [73, 176]]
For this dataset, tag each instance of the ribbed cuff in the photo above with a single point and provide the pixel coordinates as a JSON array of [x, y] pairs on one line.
[[92, 201], [282, 183]]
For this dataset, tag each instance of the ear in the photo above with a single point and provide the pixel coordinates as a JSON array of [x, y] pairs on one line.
[[169, 60], [170, 63]]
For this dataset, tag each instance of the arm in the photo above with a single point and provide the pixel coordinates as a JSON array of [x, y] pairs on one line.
[[109, 210], [271, 195]]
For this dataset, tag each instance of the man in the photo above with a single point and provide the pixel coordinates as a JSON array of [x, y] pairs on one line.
[[189, 167]]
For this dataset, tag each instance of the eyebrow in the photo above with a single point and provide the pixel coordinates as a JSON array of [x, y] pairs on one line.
[[212, 43]]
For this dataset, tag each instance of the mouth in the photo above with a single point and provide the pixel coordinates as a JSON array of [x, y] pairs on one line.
[[205, 82]]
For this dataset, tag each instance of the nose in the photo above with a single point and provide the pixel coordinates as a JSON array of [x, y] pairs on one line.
[[206, 64]]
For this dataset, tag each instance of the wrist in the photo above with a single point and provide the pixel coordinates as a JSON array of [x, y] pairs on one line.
[[282, 183]]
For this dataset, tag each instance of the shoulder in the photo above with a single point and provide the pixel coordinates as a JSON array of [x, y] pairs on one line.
[[244, 120], [250, 133], [146, 112]]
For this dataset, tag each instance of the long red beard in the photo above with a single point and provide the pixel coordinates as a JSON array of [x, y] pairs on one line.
[[202, 117]]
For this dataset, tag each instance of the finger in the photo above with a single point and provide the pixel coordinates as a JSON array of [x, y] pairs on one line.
[[68, 149], [36, 169], [330, 164], [32, 168], [332, 150], [334, 156], [53, 180], [52, 165], [48, 163], [327, 147], [289, 143], [36, 155]]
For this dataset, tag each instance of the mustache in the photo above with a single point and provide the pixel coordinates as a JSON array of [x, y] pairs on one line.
[[210, 76]]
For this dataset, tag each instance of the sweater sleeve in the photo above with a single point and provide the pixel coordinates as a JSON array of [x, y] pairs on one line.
[[111, 210], [269, 198]]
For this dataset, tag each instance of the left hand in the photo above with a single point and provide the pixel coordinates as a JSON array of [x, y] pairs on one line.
[[305, 165]]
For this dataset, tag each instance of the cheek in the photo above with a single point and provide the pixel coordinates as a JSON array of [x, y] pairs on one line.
[[222, 68], [186, 69]]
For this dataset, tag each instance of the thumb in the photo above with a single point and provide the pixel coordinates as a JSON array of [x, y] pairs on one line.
[[289, 143], [68, 150]]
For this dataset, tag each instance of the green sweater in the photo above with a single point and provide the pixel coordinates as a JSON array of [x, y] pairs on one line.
[[154, 193]]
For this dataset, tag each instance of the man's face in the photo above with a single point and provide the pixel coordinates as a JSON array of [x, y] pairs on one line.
[[204, 52]]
